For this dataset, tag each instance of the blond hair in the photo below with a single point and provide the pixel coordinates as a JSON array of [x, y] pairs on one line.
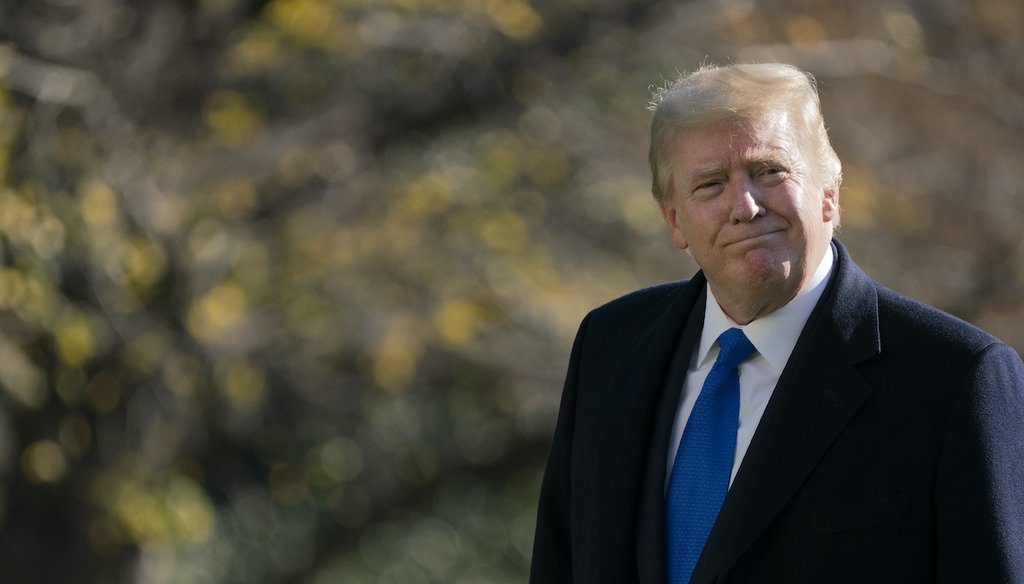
[[714, 94]]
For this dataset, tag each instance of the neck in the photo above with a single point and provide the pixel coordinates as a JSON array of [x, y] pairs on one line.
[[745, 308]]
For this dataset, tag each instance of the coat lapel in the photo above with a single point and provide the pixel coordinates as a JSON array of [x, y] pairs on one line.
[[818, 393], [650, 534], [632, 408]]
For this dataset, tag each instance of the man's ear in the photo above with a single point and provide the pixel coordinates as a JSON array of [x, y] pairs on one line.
[[671, 216], [830, 206]]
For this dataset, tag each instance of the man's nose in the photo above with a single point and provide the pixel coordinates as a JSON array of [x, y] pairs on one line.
[[744, 199]]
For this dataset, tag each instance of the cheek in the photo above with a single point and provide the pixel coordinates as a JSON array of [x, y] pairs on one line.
[[800, 206], [695, 226]]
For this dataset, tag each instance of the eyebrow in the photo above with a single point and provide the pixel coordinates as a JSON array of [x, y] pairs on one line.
[[704, 173], [765, 153]]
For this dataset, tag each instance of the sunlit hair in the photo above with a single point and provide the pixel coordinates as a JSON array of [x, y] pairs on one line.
[[714, 94]]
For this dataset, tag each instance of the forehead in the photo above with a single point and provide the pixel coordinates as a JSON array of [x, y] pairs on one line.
[[745, 140]]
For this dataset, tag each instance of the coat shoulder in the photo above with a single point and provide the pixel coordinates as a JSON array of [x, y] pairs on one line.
[[627, 310], [920, 323]]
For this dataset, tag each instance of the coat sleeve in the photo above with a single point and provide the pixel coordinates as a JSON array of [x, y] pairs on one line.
[[552, 546], [980, 482]]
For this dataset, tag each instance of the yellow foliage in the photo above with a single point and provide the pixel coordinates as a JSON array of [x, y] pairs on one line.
[[400, 236], [502, 157], [313, 23], [217, 312], [235, 198], [47, 237], [190, 513], [139, 511], [515, 19], [43, 303], [25, 222], [505, 231], [256, 51], [76, 342], [244, 383], [394, 362], [302, 17], [12, 288], [640, 211], [233, 119], [16, 216], [44, 462], [904, 28], [22, 380], [98, 206], [341, 247], [10, 125], [144, 261], [805, 31], [459, 321], [416, 6], [147, 509], [428, 194]]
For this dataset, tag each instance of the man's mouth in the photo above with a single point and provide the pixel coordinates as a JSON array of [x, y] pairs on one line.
[[754, 237]]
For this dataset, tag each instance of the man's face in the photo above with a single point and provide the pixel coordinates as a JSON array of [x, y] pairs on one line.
[[744, 200]]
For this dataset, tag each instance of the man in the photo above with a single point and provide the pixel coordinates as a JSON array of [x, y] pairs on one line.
[[780, 417]]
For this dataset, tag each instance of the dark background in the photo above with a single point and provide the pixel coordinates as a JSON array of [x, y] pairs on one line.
[[288, 287]]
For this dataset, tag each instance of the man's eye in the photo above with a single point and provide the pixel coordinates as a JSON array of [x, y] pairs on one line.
[[772, 174]]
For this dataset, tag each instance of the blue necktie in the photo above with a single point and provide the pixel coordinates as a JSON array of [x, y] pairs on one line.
[[703, 465]]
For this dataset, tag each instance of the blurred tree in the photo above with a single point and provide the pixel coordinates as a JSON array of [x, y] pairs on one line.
[[288, 286]]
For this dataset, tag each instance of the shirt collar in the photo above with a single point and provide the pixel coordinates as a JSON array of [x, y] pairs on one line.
[[775, 335]]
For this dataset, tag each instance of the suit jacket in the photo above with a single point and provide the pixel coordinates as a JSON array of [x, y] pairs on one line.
[[892, 449]]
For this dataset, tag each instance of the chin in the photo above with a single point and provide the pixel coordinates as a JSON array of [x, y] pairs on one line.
[[764, 268]]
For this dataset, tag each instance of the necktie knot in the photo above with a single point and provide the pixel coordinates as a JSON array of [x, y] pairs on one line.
[[734, 348]]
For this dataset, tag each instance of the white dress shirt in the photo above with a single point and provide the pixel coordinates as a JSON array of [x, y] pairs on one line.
[[773, 336]]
